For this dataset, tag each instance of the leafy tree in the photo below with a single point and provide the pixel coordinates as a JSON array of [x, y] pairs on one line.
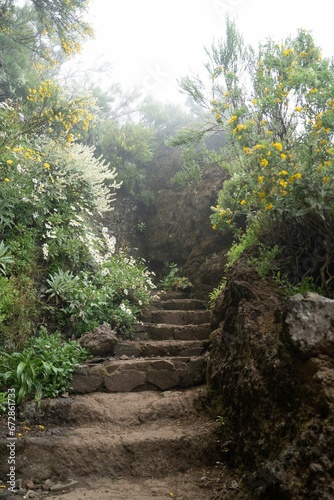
[[128, 148], [48, 18]]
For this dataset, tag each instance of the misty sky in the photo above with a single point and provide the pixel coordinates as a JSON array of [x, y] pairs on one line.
[[151, 43]]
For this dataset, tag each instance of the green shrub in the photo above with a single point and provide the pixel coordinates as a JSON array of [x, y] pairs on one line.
[[43, 369], [114, 294], [173, 281], [213, 296], [264, 263]]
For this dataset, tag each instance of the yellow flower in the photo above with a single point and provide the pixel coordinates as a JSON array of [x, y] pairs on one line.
[[9, 162], [254, 101], [6, 179], [326, 179], [287, 52], [217, 116], [283, 172], [262, 194], [298, 175], [270, 206], [298, 108], [260, 178], [277, 145], [232, 119], [214, 227], [283, 183], [264, 162], [283, 156], [47, 165], [241, 126], [313, 90], [243, 202]]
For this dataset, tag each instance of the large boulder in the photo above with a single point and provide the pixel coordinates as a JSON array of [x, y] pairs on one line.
[[101, 341], [271, 376], [309, 324]]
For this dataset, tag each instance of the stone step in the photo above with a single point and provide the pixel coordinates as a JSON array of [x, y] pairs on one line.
[[106, 451], [179, 304], [155, 348], [172, 294], [139, 374], [113, 408], [177, 317], [162, 331]]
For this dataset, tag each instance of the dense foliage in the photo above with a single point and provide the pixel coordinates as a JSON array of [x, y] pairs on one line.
[[59, 266]]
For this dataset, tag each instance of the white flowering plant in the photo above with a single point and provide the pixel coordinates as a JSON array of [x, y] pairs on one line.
[[52, 192], [114, 294]]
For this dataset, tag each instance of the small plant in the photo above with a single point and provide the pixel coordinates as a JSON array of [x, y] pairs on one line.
[[221, 420], [307, 284], [246, 240], [5, 258], [213, 296], [264, 263], [61, 283], [141, 226], [173, 281], [3, 401]]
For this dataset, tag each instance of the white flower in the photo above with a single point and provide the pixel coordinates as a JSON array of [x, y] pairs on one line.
[[45, 249], [125, 309]]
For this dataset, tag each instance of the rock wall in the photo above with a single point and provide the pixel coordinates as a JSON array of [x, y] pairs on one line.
[[272, 381]]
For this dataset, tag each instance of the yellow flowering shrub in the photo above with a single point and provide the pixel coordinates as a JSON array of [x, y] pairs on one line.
[[282, 131]]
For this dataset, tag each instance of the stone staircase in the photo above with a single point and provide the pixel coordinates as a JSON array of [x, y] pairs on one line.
[[166, 351], [132, 427]]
